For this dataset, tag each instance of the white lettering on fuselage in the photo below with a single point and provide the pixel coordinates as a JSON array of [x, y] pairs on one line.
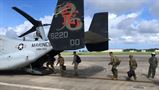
[[46, 44]]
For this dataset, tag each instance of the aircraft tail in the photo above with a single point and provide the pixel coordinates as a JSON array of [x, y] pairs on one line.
[[67, 27], [96, 38]]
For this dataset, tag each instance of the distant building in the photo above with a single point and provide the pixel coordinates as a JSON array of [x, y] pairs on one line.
[[132, 51], [156, 50], [143, 50], [114, 50]]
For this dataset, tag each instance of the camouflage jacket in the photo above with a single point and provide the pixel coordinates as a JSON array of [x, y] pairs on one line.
[[132, 63], [113, 61], [60, 61], [153, 62]]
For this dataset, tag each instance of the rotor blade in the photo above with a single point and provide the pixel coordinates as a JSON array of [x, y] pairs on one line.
[[28, 17], [29, 31]]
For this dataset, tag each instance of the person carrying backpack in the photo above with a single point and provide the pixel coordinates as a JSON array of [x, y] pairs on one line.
[[114, 61], [76, 61], [133, 66]]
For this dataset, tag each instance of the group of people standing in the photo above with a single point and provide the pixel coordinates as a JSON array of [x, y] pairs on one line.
[[61, 63], [114, 61]]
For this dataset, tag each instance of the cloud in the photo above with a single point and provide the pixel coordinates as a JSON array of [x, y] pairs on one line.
[[121, 24], [23, 27], [114, 6], [149, 26], [3, 30], [19, 29], [87, 21], [11, 34], [46, 19], [154, 7], [130, 29], [152, 39]]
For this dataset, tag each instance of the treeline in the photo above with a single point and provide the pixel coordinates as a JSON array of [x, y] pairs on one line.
[[141, 50]]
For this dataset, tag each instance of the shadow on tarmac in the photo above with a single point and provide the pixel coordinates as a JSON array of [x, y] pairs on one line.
[[13, 72], [156, 82], [90, 71]]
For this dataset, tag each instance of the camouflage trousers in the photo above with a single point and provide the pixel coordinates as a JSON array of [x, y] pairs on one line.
[[151, 72], [61, 70], [114, 71], [76, 68]]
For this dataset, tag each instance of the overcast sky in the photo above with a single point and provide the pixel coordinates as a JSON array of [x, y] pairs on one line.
[[132, 23]]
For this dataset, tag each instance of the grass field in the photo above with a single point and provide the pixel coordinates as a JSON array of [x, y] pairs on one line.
[[105, 53]]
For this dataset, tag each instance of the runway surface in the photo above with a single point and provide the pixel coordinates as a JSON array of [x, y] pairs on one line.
[[94, 74]]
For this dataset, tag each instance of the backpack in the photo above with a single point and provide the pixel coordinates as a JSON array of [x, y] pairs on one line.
[[133, 63], [78, 59], [117, 61], [63, 67]]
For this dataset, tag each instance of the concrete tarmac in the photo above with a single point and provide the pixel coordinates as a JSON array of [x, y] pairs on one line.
[[94, 74]]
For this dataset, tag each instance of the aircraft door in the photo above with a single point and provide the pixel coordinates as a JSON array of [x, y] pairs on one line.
[[27, 58]]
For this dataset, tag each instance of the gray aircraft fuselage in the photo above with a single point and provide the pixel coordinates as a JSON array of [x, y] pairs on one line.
[[18, 53]]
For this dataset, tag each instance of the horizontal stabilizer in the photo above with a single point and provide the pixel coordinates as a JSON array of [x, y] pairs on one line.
[[96, 38]]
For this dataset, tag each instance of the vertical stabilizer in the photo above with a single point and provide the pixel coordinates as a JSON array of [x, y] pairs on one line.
[[96, 38], [67, 27]]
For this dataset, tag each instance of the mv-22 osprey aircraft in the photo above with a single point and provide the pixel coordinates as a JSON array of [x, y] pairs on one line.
[[66, 33]]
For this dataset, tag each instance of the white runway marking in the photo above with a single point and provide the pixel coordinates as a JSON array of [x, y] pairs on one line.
[[28, 86]]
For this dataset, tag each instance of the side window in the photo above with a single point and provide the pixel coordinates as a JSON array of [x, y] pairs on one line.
[[27, 58], [9, 57]]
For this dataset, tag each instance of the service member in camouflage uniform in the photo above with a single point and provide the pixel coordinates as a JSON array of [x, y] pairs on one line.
[[153, 65], [61, 62], [133, 66], [50, 62], [114, 64], [75, 64]]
